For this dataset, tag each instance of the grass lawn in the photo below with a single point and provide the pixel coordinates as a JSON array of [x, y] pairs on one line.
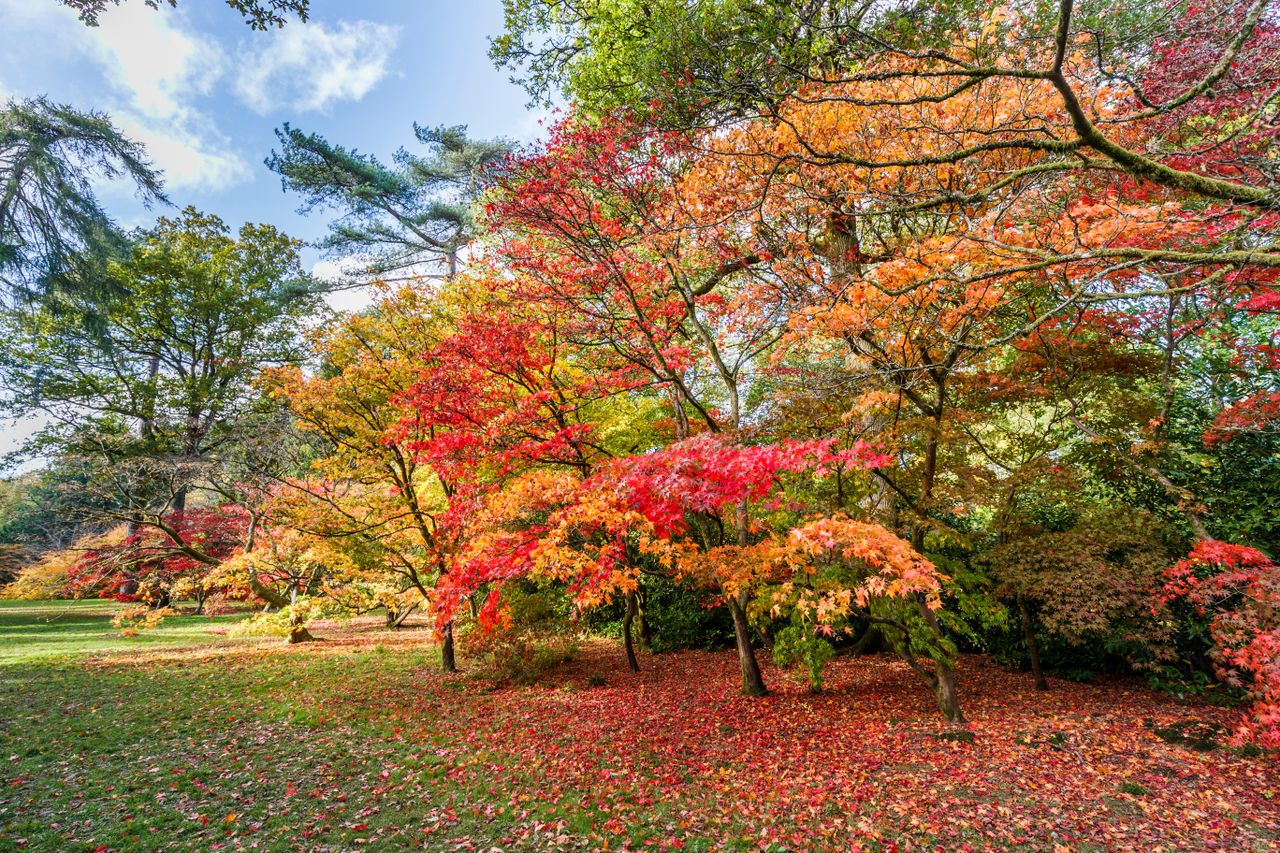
[[188, 739], [41, 630]]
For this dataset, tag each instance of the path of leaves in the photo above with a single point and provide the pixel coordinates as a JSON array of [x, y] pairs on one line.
[[345, 745], [867, 762]]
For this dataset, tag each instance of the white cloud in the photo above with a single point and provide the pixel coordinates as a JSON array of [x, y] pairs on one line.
[[152, 67], [162, 67], [191, 151], [339, 273], [310, 66]]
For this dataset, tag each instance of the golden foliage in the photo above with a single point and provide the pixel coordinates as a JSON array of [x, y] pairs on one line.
[[46, 578]]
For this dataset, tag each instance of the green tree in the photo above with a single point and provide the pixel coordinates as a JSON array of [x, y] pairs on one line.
[[258, 14], [688, 63], [163, 387], [47, 509], [396, 218], [54, 235]]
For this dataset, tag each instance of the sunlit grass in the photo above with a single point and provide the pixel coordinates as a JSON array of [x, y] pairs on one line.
[[31, 631]]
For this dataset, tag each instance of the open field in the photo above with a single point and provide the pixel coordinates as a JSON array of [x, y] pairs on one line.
[[185, 739]]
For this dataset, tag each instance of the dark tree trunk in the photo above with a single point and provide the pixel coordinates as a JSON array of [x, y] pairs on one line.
[[632, 663], [447, 660], [300, 634], [752, 680], [1033, 648], [945, 689], [870, 642]]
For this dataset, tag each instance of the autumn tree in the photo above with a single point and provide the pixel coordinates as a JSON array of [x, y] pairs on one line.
[[146, 566], [1238, 589], [596, 235], [497, 397], [369, 494], [607, 232], [1093, 583], [846, 566]]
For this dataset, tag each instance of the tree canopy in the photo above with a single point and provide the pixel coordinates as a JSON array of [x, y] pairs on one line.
[[257, 14], [54, 235]]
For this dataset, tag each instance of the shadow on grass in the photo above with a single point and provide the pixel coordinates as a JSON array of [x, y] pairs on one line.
[[34, 630]]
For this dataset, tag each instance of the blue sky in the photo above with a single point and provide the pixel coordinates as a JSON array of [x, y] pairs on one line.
[[204, 93]]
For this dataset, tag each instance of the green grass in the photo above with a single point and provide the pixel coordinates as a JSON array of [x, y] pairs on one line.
[[121, 743], [184, 739], [38, 630]]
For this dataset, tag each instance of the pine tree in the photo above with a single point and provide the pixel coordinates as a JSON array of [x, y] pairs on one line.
[[402, 219]]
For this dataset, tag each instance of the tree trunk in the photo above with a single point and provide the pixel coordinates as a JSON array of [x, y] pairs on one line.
[[632, 663], [752, 680], [944, 675], [870, 642], [1033, 648], [943, 678], [447, 661], [299, 634], [945, 688], [395, 618]]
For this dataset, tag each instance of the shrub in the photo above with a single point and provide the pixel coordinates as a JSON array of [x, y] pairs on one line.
[[798, 645], [536, 635], [681, 618], [134, 620], [520, 659], [290, 622], [1089, 591], [47, 578]]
